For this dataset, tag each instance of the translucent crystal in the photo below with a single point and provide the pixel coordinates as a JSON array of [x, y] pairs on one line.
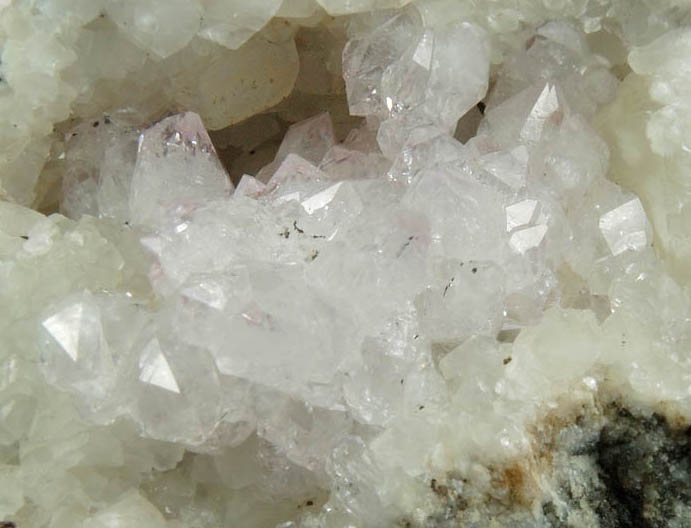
[[528, 238], [154, 368], [170, 375], [177, 170], [115, 179], [509, 167], [342, 163], [520, 213], [425, 146], [351, 464], [321, 199], [310, 138], [331, 210], [404, 83], [395, 314], [575, 359], [270, 329], [467, 288], [437, 75], [99, 161], [75, 354], [291, 177], [375, 388], [210, 291], [625, 227], [459, 73], [470, 211], [366, 59], [546, 105], [524, 116], [249, 186], [314, 432]]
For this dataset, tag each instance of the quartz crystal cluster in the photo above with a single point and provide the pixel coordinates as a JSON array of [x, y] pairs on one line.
[[344, 263]]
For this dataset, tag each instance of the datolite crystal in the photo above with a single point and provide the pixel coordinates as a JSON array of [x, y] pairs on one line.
[[329, 263]]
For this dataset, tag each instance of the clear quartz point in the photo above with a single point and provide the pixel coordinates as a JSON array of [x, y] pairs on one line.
[[625, 227], [177, 170]]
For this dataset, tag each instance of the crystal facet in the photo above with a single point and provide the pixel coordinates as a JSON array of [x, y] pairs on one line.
[[625, 227], [154, 368], [75, 354], [177, 170], [451, 288]]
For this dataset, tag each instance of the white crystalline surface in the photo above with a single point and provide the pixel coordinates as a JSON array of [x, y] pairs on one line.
[[369, 328], [625, 227]]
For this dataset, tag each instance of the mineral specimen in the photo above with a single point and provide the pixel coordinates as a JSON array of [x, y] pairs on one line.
[[336, 263]]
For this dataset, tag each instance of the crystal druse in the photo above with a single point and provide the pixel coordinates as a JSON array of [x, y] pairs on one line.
[[345, 263]]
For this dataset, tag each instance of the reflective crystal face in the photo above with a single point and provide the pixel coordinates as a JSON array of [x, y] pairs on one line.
[[524, 239], [367, 62], [509, 167], [545, 108], [65, 327], [176, 392], [520, 213], [625, 227], [177, 170], [328, 263], [154, 368], [75, 354]]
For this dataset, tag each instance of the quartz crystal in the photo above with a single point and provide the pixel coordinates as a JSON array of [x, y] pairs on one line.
[[176, 170], [329, 263]]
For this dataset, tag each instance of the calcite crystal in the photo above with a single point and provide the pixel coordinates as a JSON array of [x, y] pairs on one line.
[[336, 263]]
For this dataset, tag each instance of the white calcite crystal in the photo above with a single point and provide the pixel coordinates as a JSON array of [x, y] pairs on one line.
[[625, 227], [345, 263]]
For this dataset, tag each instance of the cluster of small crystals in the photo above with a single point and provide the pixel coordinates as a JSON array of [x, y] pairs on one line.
[[75, 58], [358, 317]]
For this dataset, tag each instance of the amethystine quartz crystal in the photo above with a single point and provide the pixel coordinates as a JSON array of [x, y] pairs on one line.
[[345, 263]]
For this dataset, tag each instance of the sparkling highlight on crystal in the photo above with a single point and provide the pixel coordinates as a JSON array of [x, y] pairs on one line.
[[327, 263]]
